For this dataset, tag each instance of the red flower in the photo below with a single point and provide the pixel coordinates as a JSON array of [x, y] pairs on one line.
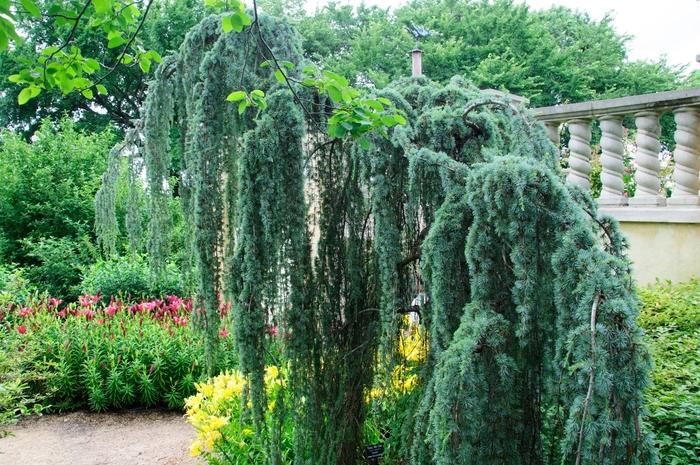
[[272, 331], [223, 333], [26, 311], [54, 302], [22, 329], [111, 310]]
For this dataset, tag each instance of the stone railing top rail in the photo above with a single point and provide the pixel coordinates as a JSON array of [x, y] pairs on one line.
[[658, 101]]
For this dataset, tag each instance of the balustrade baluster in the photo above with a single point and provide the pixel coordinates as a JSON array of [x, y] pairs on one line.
[[579, 153], [612, 161], [647, 160], [687, 157], [553, 132]]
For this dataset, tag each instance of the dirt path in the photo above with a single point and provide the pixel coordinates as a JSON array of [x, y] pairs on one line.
[[125, 438]]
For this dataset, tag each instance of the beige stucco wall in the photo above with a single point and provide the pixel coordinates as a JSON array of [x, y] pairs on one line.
[[664, 250]]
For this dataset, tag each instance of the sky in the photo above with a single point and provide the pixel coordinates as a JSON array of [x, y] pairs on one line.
[[657, 27]]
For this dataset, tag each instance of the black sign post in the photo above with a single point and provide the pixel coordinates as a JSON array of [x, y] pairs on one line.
[[374, 453]]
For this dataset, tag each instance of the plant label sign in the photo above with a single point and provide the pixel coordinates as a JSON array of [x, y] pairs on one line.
[[373, 453]]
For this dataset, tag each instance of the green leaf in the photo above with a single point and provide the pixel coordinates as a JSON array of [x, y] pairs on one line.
[[384, 101], [102, 90], [265, 64], [287, 64], [31, 8], [91, 65], [14, 78], [116, 41], [27, 94], [227, 24], [126, 59], [400, 119], [279, 75], [258, 93], [145, 64], [155, 56], [87, 93], [236, 96], [334, 93], [102, 6], [336, 77], [242, 106]]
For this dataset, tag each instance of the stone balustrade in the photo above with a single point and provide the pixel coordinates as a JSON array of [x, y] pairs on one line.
[[649, 204]]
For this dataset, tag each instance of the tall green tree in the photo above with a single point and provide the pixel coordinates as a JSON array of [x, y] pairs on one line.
[[47, 200]]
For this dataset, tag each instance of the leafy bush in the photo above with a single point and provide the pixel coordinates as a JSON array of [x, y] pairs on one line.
[[671, 318], [57, 263], [48, 191], [129, 277], [101, 357], [14, 286]]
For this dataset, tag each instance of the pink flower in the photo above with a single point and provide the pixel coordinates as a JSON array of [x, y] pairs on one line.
[[223, 333], [26, 311], [54, 302], [111, 310], [62, 313], [272, 331], [22, 329], [88, 300], [88, 314]]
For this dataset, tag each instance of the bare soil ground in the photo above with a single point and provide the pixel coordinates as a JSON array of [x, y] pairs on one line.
[[80, 438]]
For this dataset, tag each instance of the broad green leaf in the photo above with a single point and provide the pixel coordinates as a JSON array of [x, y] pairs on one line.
[[87, 93], [400, 119], [155, 56], [375, 105], [334, 93], [384, 100], [279, 75], [91, 65], [31, 8], [336, 77], [116, 41], [27, 94], [242, 106], [14, 78], [102, 6], [145, 64], [236, 96], [287, 64], [265, 64], [227, 24], [126, 59], [258, 93], [102, 90]]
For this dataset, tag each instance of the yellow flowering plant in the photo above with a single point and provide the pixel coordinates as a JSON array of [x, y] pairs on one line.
[[396, 388], [220, 413]]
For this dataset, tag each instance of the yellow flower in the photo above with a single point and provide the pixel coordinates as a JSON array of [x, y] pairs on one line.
[[247, 432], [196, 448]]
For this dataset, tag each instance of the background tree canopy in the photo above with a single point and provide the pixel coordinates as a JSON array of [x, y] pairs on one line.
[[552, 56]]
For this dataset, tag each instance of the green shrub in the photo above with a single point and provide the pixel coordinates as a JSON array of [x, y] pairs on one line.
[[14, 286], [671, 317], [129, 277], [57, 264]]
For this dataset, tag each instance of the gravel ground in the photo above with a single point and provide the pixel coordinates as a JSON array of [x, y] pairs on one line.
[[80, 438]]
